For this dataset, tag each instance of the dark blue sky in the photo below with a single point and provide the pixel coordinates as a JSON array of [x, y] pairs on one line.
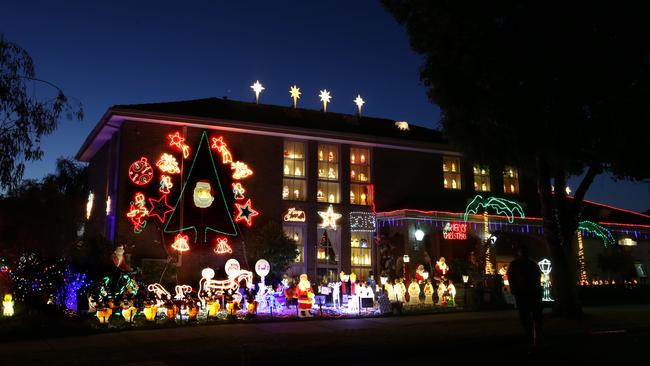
[[121, 52]]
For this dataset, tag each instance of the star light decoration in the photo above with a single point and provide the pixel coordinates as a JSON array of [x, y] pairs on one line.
[[325, 97], [359, 102], [220, 146], [177, 140], [257, 88], [245, 212], [295, 94], [160, 208], [329, 218]]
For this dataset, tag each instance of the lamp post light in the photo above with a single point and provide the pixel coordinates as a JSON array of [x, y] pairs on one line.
[[545, 267], [419, 235]]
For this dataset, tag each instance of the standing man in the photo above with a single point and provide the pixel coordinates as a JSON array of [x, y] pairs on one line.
[[524, 277]]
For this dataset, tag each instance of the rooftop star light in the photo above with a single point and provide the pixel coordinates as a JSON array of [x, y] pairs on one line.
[[257, 88], [329, 218], [359, 102], [325, 97], [295, 94]]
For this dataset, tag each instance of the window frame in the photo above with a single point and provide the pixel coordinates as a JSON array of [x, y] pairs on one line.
[[448, 172], [514, 178], [480, 177], [292, 178], [326, 185]]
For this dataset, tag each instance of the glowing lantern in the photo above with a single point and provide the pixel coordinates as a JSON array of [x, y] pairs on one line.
[[203, 194], [150, 312], [103, 314], [171, 312], [213, 308], [129, 313], [8, 305]]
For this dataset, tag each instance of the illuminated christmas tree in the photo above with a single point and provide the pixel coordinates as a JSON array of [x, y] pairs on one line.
[[207, 209]]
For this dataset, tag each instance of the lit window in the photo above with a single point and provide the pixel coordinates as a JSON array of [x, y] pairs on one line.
[[481, 178], [360, 187], [510, 180], [451, 172], [361, 259], [328, 174], [297, 233], [294, 185]]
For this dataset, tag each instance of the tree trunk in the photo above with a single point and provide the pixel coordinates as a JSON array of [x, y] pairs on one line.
[[559, 226]]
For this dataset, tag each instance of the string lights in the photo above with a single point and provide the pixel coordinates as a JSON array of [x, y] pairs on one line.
[[168, 164], [222, 246]]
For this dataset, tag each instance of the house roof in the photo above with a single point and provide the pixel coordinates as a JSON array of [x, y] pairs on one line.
[[217, 110]]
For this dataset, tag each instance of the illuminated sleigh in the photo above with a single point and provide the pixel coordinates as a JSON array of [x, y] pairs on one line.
[[219, 287]]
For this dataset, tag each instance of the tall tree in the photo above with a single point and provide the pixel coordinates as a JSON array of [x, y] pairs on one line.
[[25, 114], [271, 243], [44, 216], [559, 89]]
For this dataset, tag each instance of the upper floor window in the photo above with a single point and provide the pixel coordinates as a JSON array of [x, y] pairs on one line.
[[510, 179], [481, 178], [294, 185], [328, 189], [360, 187], [451, 172]]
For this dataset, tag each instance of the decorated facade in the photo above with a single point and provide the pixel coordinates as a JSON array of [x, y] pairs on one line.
[[191, 180]]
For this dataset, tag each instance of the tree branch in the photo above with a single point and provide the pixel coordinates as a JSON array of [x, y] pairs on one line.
[[592, 172]]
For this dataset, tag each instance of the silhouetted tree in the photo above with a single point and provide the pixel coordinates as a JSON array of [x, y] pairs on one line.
[[271, 243], [45, 217], [557, 88], [25, 117]]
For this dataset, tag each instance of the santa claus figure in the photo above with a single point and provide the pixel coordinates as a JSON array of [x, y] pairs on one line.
[[305, 296], [420, 275], [120, 260], [441, 268]]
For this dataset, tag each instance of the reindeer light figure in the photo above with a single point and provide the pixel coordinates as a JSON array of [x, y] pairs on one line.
[[181, 290], [219, 287], [161, 294]]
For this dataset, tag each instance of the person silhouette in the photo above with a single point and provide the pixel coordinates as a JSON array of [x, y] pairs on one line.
[[524, 277]]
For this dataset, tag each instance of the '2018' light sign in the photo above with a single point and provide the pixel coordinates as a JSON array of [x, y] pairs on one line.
[[455, 231]]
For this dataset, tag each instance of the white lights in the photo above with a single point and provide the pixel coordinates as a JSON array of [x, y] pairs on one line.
[[419, 235], [359, 102], [89, 204], [207, 273], [402, 125], [108, 205], [329, 218], [257, 88], [295, 94], [325, 97], [627, 242]]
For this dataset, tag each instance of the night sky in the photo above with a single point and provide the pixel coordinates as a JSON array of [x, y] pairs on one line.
[[127, 52]]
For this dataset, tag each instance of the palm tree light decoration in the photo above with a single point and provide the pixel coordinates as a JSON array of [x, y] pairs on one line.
[[595, 229], [502, 207]]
